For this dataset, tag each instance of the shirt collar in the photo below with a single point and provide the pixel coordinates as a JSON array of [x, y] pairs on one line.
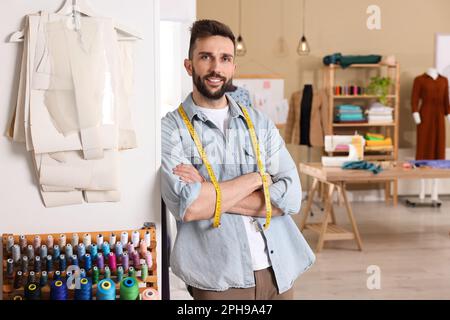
[[192, 109]]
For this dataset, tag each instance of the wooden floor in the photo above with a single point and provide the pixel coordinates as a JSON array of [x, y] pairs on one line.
[[411, 246]]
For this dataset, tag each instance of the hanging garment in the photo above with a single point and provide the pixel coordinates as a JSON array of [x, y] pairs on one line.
[[305, 115], [318, 120], [241, 96], [430, 98], [73, 107], [346, 61]]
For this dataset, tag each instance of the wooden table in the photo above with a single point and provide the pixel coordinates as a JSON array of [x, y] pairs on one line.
[[335, 180]]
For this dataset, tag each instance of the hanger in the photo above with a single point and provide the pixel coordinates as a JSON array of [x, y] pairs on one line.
[[82, 6]]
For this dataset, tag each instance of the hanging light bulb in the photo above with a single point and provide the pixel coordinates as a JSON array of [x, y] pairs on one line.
[[303, 46], [241, 49]]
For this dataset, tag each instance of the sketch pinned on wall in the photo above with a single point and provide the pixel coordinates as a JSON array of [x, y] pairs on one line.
[[267, 95]]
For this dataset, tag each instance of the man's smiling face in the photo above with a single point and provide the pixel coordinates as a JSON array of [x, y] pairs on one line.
[[212, 66]]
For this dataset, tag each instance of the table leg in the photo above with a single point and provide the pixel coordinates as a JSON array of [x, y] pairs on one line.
[[307, 209], [351, 217], [327, 212]]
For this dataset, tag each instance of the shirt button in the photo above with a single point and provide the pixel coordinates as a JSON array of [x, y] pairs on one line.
[[271, 251]]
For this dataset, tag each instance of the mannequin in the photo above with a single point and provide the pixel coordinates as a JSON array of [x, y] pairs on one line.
[[434, 75]]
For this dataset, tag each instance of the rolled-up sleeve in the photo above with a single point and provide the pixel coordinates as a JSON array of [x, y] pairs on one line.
[[286, 191], [177, 194]]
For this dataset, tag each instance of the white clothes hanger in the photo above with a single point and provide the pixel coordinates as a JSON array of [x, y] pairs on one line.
[[82, 6]]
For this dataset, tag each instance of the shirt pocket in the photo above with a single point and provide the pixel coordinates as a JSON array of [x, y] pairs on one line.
[[249, 161]]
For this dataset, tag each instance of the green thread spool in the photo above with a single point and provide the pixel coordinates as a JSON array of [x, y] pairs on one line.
[[144, 271], [107, 273], [131, 272], [129, 289], [119, 274], [95, 275]]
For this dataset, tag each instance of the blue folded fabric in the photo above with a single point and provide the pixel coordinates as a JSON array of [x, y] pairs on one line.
[[362, 165], [441, 164]]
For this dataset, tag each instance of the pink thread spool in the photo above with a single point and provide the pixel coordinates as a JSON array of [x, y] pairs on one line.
[[136, 259], [149, 259], [112, 262], [143, 247]]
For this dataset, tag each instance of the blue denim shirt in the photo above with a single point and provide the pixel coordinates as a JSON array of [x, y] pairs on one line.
[[219, 258]]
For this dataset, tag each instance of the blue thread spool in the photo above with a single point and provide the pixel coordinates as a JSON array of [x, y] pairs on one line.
[[56, 252], [94, 251], [85, 291], [82, 273], [106, 290], [81, 251], [62, 263], [105, 248], [68, 250], [119, 249], [57, 275], [119, 274], [49, 263], [37, 264], [107, 272], [87, 262], [58, 290], [74, 260], [44, 278]]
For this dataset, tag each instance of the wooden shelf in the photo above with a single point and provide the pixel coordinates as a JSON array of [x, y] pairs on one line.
[[346, 125], [363, 65], [361, 96]]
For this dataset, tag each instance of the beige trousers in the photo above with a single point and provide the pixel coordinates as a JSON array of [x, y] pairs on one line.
[[265, 289]]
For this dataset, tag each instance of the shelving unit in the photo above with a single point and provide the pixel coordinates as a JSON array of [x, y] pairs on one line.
[[331, 80]]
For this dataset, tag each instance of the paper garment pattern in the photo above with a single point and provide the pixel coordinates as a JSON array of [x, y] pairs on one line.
[[73, 107]]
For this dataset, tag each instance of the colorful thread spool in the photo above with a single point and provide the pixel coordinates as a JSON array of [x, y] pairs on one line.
[[75, 240], [49, 263], [149, 259], [144, 271], [119, 249], [99, 240], [85, 291], [106, 290], [43, 252], [87, 262], [32, 291], [36, 242], [112, 239], [49, 241], [125, 261], [10, 268], [58, 290], [94, 250], [129, 289], [62, 263], [9, 243], [105, 248], [81, 251], [112, 262], [62, 240], [107, 273], [23, 242], [68, 250], [31, 277], [57, 275], [18, 280], [95, 275], [142, 247], [16, 253], [30, 252], [131, 272], [150, 294], [135, 238], [124, 237], [44, 278], [74, 260], [147, 238], [87, 240], [56, 252], [24, 264], [136, 259], [100, 261], [37, 264], [119, 274]]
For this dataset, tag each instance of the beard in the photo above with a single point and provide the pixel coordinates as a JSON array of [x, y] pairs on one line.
[[204, 91]]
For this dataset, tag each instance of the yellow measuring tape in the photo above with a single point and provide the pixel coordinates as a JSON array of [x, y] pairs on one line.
[[204, 158]]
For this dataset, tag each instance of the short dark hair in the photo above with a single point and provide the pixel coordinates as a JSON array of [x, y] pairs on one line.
[[208, 28]]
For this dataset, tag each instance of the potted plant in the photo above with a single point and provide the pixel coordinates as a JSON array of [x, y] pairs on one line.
[[379, 86]]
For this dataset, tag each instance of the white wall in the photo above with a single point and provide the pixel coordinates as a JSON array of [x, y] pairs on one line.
[[21, 208]]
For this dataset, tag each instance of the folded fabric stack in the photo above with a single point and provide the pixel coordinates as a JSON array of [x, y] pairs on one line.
[[378, 142], [73, 111], [379, 113], [348, 113]]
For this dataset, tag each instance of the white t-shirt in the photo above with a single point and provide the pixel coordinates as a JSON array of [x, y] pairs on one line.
[[256, 242]]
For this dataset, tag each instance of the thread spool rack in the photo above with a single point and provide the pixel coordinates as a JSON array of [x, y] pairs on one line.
[[10, 292]]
